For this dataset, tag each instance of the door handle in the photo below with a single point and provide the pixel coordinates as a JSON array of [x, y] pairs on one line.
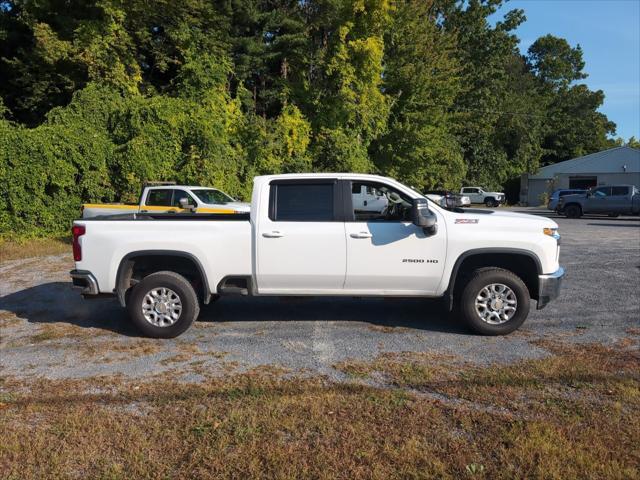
[[274, 234], [361, 235]]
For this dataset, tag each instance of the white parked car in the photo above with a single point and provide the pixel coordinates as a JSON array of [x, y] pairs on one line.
[[171, 199], [478, 195], [307, 234]]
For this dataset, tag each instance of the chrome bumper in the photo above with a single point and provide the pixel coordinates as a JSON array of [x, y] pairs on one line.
[[549, 287], [85, 282]]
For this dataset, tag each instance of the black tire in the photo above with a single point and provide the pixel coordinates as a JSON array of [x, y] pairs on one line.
[[613, 215], [477, 282], [490, 202], [573, 211], [186, 296]]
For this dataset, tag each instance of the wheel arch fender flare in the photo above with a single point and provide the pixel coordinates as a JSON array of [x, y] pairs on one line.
[[484, 251], [125, 270]]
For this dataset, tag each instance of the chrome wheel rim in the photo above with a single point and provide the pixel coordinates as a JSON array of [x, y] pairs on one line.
[[161, 307], [496, 304]]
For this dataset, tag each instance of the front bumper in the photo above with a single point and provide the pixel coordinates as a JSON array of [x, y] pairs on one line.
[[85, 282], [549, 287]]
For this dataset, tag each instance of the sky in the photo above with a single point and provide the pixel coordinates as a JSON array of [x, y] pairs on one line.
[[609, 33]]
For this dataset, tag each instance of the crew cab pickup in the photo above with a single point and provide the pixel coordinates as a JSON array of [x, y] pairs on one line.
[[171, 199], [309, 234], [478, 195], [611, 200]]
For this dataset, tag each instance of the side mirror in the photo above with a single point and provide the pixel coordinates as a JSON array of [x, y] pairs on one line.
[[422, 217], [184, 204]]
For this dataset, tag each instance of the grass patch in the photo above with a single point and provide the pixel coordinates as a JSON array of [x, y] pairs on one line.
[[17, 248], [261, 425], [59, 331], [407, 369], [8, 319], [116, 350]]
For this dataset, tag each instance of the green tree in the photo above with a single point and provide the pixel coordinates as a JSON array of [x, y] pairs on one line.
[[495, 94], [349, 108], [422, 80], [99, 96], [633, 143], [555, 62], [574, 127]]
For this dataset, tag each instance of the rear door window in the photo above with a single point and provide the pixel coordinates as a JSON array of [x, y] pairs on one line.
[[299, 202], [621, 191], [159, 197]]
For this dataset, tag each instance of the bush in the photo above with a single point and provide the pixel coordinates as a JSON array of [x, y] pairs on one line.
[[105, 144]]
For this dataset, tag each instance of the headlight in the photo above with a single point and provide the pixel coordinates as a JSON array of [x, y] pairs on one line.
[[552, 232]]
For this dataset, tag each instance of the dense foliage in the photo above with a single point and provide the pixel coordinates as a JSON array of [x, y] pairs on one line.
[[98, 96]]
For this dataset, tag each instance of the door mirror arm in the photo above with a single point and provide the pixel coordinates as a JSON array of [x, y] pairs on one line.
[[430, 231]]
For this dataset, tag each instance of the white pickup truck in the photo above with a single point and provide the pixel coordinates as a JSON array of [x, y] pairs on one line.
[[171, 199], [303, 236], [478, 195]]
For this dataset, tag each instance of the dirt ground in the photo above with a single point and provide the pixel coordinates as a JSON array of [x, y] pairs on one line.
[[331, 388], [49, 331]]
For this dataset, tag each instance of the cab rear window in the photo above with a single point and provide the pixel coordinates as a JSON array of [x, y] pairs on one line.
[[159, 198]]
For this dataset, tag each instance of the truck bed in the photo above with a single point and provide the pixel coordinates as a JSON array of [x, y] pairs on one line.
[[221, 243]]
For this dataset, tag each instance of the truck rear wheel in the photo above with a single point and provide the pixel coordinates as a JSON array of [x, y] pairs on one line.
[[494, 302], [163, 305]]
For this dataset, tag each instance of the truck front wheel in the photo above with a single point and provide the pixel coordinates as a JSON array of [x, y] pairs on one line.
[[573, 211], [163, 305], [494, 302]]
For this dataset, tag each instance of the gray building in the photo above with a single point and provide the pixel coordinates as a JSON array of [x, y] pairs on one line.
[[620, 165]]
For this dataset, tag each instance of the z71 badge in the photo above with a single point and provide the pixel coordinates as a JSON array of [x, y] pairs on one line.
[[466, 220]]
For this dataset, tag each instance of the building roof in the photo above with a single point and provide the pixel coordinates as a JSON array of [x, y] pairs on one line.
[[613, 160]]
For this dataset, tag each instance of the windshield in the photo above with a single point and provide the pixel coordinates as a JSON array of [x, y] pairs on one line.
[[212, 196]]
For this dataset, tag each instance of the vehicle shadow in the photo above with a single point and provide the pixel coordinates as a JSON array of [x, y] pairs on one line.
[[413, 313], [554, 215], [632, 225], [59, 302]]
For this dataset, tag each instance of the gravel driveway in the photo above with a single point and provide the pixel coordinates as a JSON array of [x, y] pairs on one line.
[[48, 330]]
